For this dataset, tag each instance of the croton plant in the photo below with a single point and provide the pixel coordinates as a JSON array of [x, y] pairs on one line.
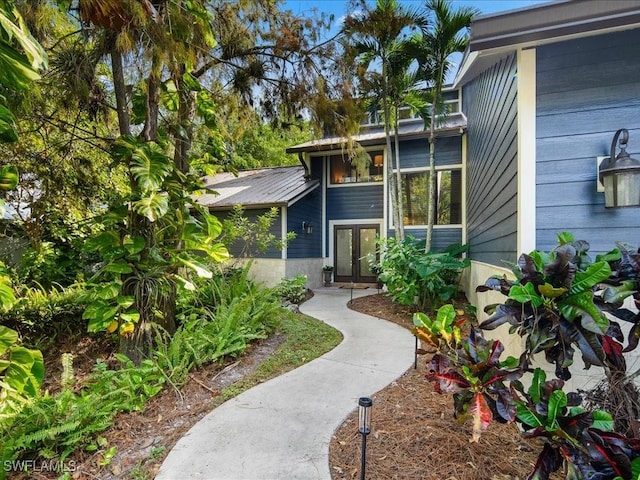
[[557, 303]]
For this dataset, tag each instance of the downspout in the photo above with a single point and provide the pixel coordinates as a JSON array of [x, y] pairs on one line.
[[307, 174]]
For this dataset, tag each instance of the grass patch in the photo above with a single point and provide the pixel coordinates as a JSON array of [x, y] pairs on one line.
[[307, 339]]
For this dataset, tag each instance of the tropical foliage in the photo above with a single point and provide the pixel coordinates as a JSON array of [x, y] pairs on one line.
[[414, 277], [556, 303]]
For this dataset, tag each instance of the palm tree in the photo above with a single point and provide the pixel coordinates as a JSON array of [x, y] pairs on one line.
[[376, 39], [447, 34]]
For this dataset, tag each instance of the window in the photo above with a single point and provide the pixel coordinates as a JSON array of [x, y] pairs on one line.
[[366, 168], [415, 197]]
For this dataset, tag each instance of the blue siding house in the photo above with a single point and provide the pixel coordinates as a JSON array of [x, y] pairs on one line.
[[544, 90], [537, 100]]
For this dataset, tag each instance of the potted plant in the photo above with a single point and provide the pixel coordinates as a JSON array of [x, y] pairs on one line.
[[327, 272]]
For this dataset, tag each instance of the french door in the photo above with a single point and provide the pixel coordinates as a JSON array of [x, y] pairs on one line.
[[353, 245]]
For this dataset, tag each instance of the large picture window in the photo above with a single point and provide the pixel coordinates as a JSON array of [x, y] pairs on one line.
[[415, 197], [367, 168]]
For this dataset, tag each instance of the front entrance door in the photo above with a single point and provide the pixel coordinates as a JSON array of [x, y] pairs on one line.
[[353, 245]]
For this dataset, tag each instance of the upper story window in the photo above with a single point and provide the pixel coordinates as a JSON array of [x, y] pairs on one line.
[[405, 114], [415, 197], [366, 169]]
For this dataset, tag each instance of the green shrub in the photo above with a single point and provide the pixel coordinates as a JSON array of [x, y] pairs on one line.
[[38, 313], [293, 290], [414, 276]]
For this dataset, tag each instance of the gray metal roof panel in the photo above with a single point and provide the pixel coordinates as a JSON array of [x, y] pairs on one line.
[[264, 187]]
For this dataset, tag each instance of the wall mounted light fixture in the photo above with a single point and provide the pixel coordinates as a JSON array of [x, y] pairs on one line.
[[620, 175], [307, 228], [378, 159]]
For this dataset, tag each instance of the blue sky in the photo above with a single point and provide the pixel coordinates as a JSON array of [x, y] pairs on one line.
[[338, 7]]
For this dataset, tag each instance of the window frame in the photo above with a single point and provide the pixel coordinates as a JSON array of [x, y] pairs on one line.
[[372, 152], [457, 167]]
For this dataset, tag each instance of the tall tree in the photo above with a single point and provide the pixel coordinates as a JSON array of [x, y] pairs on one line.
[[446, 34], [376, 38], [173, 66]]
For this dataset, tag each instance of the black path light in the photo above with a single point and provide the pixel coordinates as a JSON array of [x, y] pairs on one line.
[[364, 427], [620, 175]]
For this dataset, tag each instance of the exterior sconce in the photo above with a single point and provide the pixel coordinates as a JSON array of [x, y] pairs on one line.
[[364, 428], [307, 228], [378, 159], [620, 175]]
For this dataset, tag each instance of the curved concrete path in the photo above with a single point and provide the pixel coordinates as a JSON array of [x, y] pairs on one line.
[[281, 429]]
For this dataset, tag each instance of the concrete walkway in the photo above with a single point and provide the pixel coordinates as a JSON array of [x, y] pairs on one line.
[[281, 429]]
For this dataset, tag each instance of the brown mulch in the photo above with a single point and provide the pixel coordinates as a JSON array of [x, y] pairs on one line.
[[414, 434]]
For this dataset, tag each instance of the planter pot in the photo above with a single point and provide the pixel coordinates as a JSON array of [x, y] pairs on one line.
[[327, 277]]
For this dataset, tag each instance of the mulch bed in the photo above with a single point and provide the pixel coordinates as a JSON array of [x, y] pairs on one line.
[[414, 434]]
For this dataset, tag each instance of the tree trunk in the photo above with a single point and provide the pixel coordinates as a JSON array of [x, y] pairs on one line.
[[432, 168], [152, 102], [119, 88], [186, 115], [393, 187], [400, 226]]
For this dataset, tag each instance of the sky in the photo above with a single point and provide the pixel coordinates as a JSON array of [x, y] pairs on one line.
[[338, 7]]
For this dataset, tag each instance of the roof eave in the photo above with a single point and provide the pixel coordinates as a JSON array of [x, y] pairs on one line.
[[494, 36]]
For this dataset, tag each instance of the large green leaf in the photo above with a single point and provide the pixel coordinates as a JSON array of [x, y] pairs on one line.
[[15, 70], [602, 420], [526, 416], [16, 29], [200, 269], [594, 274], [557, 402], [8, 177], [7, 297], [525, 294], [103, 242], [7, 125], [119, 266], [150, 166], [8, 338], [25, 371], [582, 305], [154, 206], [134, 245]]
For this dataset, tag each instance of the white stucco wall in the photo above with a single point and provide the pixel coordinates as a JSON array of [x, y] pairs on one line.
[[270, 271]]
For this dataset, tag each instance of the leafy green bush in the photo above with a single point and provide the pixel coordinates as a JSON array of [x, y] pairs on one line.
[[414, 276], [38, 313], [56, 426], [293, 290]]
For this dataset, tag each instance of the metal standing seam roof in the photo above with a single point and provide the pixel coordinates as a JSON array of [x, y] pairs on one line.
[[262, 187]]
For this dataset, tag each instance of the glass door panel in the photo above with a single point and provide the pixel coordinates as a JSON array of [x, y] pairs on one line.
[[344, 252], [354, 244], [367, 250]]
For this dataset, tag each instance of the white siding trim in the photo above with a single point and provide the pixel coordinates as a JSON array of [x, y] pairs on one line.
[[463, 140], [325, 175], [526, 78], [283, 230]]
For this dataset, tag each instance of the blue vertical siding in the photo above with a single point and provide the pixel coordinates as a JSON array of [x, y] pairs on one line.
[[307, 209], [490, 103], [586, 90]]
